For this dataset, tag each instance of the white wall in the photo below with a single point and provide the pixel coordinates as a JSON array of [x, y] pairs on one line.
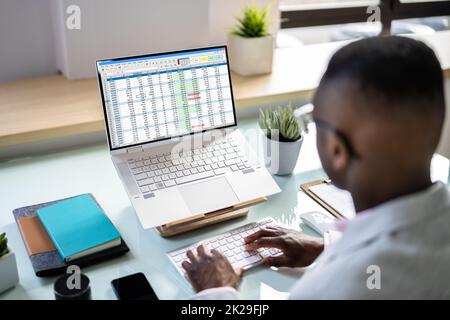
[[34, 40], [114, 28], [26, 39]]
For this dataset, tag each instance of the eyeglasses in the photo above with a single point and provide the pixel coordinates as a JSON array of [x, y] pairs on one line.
[[327, 126]]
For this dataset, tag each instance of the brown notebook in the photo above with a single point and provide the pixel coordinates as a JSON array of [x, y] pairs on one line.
[[34, 235]]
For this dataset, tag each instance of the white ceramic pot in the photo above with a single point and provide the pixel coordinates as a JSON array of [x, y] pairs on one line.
[[281, 157], [9, 276], [250, 56]]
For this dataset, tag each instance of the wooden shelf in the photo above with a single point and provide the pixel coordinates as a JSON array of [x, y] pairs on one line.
[[44, 108]]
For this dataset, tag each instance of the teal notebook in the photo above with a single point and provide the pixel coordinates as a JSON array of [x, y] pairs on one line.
[[78, 227]]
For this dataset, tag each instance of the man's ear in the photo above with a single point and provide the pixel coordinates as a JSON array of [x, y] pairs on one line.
[[338, 154]]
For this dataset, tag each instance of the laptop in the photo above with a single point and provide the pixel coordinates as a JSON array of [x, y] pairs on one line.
[[173, 137]]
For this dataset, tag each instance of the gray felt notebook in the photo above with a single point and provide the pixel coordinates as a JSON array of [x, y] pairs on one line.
[[44, 257]]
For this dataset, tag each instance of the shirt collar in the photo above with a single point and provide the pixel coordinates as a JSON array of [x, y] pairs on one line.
[[396, 214]]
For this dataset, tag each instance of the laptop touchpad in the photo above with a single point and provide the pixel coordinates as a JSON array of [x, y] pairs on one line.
[[208, 196]]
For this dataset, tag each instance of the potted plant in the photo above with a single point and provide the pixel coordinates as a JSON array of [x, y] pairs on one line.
[[9, 276], [282, 138], [250, 44]]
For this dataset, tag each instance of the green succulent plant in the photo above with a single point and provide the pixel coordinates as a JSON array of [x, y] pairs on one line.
[[280, 124], [3, 245], [253, 23]]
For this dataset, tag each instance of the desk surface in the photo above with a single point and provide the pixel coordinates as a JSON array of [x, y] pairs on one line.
[[59, 175], [50, 107]]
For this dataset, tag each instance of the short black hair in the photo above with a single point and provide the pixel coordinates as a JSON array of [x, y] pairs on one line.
[[399, 69]]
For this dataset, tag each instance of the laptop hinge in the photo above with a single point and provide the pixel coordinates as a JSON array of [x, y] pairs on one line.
[[135, 149]]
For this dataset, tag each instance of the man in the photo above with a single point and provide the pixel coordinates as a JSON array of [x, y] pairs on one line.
[[379, 111]]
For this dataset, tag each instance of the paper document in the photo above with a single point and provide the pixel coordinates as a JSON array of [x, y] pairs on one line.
[[336, 198]]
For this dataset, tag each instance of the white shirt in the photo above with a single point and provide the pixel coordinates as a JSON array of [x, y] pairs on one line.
[[406, 239]]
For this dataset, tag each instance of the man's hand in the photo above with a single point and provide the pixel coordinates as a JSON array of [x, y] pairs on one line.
[[299, 250], [210, 270]]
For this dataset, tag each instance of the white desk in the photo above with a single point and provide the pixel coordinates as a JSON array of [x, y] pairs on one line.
[[44, 178]]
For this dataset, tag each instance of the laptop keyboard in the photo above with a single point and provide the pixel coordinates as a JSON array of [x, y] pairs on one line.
[[160, 171], [231, 244]]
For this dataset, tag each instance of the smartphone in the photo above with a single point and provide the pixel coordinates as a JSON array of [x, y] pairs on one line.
[[133, 287]]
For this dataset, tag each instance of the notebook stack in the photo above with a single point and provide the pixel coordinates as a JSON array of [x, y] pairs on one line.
[[70, 231]]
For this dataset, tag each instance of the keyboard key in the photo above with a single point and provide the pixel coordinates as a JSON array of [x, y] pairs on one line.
[[230, 162], [194, 170], [139, 164], [192, 177], [136, 171], [220, 171], [140, 176], [145, 189], [145, 182], [160, 185], [247, 261], [172, 169], [169, 183]]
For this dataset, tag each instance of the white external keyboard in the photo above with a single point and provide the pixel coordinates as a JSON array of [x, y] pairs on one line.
[[231, 244], [159, 171]]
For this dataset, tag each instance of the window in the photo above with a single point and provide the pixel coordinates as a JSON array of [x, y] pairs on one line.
[[308, 13], [314, 21]]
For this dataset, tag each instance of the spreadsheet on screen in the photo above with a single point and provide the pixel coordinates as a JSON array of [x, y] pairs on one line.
[[160, 96]]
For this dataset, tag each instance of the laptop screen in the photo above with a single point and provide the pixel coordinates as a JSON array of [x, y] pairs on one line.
[[155, 97]]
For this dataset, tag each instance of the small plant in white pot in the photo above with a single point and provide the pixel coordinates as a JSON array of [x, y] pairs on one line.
[[282, 139], [250, 44], [9, 276]]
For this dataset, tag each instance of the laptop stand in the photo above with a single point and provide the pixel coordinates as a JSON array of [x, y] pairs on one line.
[[200, 221]]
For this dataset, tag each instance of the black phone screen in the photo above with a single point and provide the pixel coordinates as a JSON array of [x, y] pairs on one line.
[[133, 287]]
